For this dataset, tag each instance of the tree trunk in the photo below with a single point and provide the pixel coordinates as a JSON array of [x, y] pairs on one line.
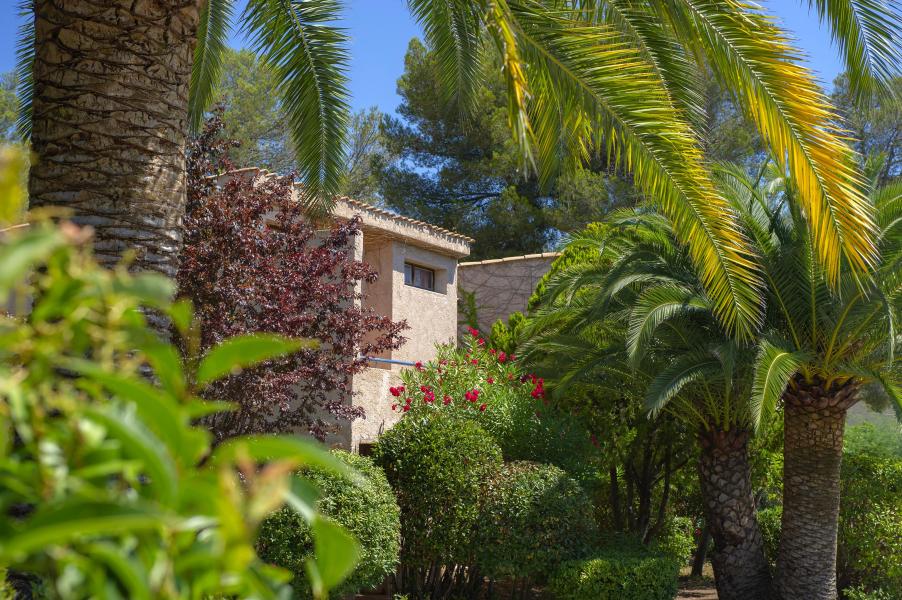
[[740, 568], [814, 416], [110, 118]]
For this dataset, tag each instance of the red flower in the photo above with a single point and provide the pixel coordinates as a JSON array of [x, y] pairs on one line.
[[425, 388], [473, 332], [513, 357], [481, 342], [472, 395], [406, 407], [502, 356], [394, 407], [474, 362], [447, 400], [490, 380], [418, 365], [395, 391], [482, 408]]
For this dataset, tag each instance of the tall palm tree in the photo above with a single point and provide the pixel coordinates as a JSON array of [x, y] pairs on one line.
[[111, 88], [641, 301], [818, 350], [111, 106]]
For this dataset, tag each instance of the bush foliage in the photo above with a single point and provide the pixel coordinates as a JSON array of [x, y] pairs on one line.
[[622, 573], [366, 508], [437, 465], [107, 488], [534, 517]]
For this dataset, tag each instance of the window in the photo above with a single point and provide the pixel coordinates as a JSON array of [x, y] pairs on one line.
[[419, 277]]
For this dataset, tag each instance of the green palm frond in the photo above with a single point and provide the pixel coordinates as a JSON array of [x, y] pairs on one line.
[[774, 367], [683, 370], [452, 29], [869, 35], [756, 61], [654, 306], [212, 35], [24, 66], [299, 42], [576, 68]]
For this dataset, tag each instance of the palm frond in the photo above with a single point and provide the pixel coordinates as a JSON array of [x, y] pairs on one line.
[[212, 35], [654, 306], [774, 367], [574, 67], [682, 371], [756, 61], [452, 29], [868, 33], [24, 67], [299, 42]]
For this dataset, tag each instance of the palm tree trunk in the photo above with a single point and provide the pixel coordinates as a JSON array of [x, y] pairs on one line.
[[109, 121], [740, 568], [814, 417]]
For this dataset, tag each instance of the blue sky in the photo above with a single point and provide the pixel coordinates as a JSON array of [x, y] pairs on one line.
[[381, 29]]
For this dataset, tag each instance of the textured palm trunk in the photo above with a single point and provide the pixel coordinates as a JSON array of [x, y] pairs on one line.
[[740, 568], [109, 121], [814, 417]]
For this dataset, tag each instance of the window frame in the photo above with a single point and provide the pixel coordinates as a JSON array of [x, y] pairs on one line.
[[413, 268]]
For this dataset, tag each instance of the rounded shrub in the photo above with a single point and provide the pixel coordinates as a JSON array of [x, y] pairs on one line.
[[622, 573], [534, 517], [438, 465], [676, 539], [367, 509]]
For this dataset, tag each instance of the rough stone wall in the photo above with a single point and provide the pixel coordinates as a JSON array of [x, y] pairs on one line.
[[502, 286]]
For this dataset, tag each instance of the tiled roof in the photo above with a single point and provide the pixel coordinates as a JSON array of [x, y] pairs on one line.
[[357, 204]]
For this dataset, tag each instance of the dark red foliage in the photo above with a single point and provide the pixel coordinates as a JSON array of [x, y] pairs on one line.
[[252, 262]]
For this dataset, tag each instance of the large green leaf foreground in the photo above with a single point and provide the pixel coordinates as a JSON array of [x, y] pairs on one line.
[[106, 487]]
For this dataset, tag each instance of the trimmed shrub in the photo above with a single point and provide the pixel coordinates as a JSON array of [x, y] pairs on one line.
[[624, 573], [676, 539], [534, 517], [437, 465], [367, 509], [870, 524]]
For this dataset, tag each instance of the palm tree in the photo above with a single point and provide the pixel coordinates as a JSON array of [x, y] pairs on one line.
[[110, 89], [641, 302], [114, 89], [818, 350]]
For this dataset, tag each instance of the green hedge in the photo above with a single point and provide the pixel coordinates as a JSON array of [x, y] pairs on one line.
[[676, 539], [534, 517], [617, 573], [367, 509], [437, 464]]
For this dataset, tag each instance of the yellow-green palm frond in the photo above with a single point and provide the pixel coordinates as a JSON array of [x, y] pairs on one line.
[[573, 67], [757, 62], [869, 35]]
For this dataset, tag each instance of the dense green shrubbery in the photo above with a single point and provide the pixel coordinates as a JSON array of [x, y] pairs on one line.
[[769, 522], [870, 524], [534, 517], [367, 509], [625, 572], [676, 539], [437, 464]]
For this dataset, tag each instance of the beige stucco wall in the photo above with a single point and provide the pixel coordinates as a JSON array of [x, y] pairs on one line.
[[503, 286]]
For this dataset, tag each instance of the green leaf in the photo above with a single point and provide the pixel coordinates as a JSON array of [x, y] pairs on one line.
[[23, 253], [774, 367], [139, 443], [336, 553], [151, 289], [129, 574], [245, 351], [60, 524]]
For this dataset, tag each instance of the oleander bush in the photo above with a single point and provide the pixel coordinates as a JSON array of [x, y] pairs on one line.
[[534, 517], [489, 387], [620, 571], [366, 508], [437, 464]]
